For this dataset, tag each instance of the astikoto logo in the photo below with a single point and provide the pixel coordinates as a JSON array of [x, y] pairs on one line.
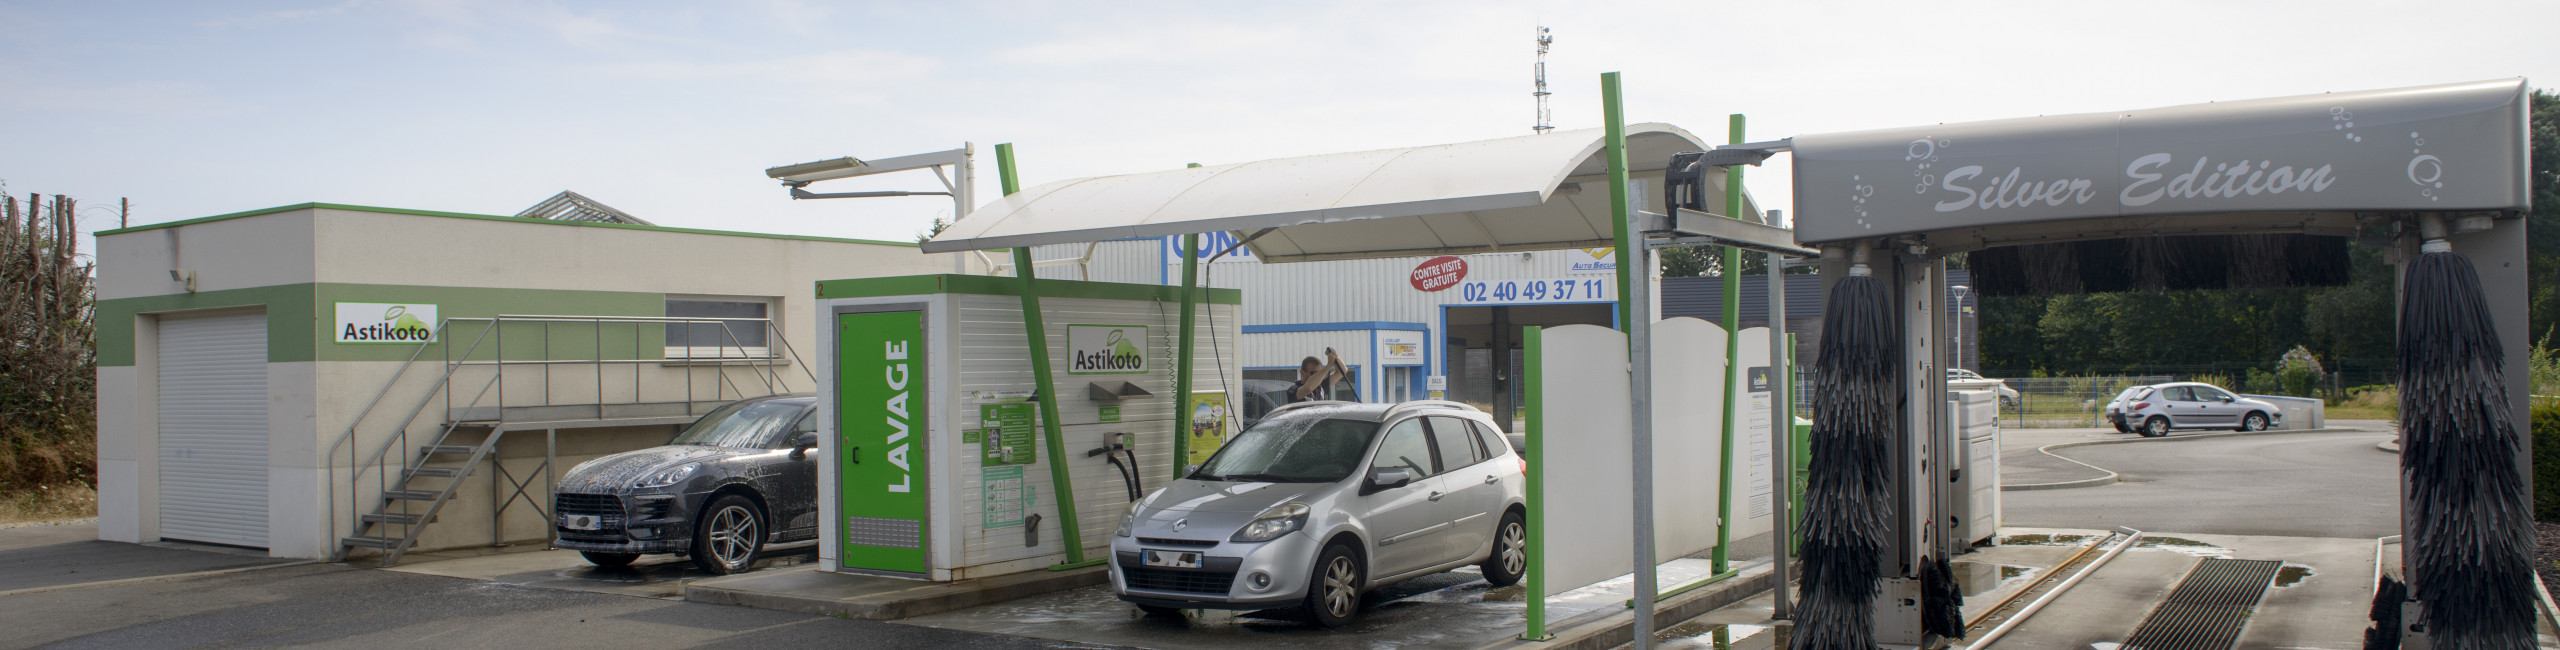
[[362, 322], [1106, 349]]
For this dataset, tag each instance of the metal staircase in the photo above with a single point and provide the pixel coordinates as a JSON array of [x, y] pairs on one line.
[[409, 488]]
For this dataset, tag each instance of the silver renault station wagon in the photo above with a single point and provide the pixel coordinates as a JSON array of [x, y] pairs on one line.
[[1320, 502]]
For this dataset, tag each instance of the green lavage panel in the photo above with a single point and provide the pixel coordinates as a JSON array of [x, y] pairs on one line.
[[880, 454]]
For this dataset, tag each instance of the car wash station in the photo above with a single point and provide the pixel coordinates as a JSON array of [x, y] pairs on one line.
[[1033, 422]]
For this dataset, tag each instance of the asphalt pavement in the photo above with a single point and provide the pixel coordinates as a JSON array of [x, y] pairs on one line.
[[338, 606], [2326, 484]]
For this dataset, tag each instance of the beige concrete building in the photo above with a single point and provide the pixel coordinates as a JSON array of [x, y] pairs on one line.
[[268, 378]]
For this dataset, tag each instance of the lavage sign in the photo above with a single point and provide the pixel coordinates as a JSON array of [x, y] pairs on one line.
[[1106, 349], [386, 322]]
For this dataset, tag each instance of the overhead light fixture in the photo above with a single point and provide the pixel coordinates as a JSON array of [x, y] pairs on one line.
[[808, 172]]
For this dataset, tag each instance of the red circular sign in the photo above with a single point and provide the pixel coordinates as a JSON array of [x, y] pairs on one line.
[[1439, 273]]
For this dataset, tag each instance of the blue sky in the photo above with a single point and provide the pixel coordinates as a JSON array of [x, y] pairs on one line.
[[671, 110]]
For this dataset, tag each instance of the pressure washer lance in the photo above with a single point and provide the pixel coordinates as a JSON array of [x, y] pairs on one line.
[[1115, 445]]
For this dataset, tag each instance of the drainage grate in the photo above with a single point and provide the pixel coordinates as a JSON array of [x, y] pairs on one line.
[[2208, 609]]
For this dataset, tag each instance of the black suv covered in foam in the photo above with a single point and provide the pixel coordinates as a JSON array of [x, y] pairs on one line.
[[732, 482]]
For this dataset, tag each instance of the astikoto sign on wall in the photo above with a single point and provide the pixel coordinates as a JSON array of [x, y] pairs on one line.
[[1106, 349], [386, 322]]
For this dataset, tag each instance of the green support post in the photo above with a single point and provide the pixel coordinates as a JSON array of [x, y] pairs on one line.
[[1182, 372], [1731, 269], [1045, 393], [1614, 116], [1536, 598]]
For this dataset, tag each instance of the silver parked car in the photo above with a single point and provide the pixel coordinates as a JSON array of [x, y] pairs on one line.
[[1323, 501], [1962, 379], [2154, 410]]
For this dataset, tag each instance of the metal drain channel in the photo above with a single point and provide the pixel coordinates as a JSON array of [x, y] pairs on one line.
[[2208, 609]]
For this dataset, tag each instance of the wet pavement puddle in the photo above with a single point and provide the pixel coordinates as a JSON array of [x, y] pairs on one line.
[[1454, 609]]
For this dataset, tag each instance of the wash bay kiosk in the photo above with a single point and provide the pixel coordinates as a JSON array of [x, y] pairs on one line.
[[1560, 190]]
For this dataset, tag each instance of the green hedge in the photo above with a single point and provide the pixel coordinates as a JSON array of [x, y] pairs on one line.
[[2546, 460]]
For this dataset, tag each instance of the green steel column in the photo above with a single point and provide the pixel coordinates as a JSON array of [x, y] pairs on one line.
[[1536, 599], [1614, 115], [1182, 372], [1070, 529], [1731, 269]]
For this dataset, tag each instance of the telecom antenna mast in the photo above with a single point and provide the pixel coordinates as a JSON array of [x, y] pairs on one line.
[[1546, 121]]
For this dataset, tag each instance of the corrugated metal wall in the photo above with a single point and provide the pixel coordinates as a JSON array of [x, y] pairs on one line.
[[1381, 289]]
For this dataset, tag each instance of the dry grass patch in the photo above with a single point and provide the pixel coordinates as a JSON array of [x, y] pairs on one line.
[[49, 503]]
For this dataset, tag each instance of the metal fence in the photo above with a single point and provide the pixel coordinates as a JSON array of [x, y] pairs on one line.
[[2066, 401]]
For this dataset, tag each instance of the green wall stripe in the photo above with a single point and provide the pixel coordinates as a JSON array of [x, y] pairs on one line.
[[289, 319], [299, 315], [490, 217], [523, 340], [912, 285]]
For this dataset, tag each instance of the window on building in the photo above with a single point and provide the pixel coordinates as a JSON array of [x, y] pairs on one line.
[[719, 328]]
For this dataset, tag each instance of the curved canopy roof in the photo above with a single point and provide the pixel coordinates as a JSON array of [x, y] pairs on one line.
[[2288, 164], [1522, 193]]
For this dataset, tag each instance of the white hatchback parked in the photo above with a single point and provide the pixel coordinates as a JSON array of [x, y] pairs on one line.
[[1322, 501]]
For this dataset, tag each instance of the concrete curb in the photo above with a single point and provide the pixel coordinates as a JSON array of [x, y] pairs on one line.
[[809, 591], [2388, 446], [2112, 477], [1617, 628]]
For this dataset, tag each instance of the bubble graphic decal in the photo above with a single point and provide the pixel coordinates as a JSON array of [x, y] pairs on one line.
[[2425, 170], [2344, 121]]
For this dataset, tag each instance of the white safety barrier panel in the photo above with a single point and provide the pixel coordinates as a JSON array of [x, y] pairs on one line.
[[1688, 434], [1581, 447]]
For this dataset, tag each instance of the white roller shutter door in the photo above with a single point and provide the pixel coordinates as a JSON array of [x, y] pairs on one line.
[[213, 429]]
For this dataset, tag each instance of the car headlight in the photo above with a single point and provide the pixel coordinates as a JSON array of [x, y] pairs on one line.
[[668, 477], [1271, 524], [1129, 520]]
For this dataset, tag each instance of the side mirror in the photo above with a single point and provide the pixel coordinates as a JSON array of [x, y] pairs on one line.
[[800, 445], [2226, 399], [1386, 478], [1188, 470]]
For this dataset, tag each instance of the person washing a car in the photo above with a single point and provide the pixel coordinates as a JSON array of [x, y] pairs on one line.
[[1315, 378]]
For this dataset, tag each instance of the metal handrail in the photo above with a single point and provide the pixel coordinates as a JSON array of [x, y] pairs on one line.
[[355, 470], [777, 349]]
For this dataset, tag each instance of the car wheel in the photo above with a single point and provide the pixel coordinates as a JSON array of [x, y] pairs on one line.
[[2155, 427], [609, 560], [1333, 593], [727, 535], [1160, 610], [1510, 556], [2254, 422]]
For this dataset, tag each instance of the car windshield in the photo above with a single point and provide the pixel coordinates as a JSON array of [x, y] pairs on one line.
[[742, 425], [1291, 450]]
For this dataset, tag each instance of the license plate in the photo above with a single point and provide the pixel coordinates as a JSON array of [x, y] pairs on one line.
[[581, 522], [1172, 559]]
